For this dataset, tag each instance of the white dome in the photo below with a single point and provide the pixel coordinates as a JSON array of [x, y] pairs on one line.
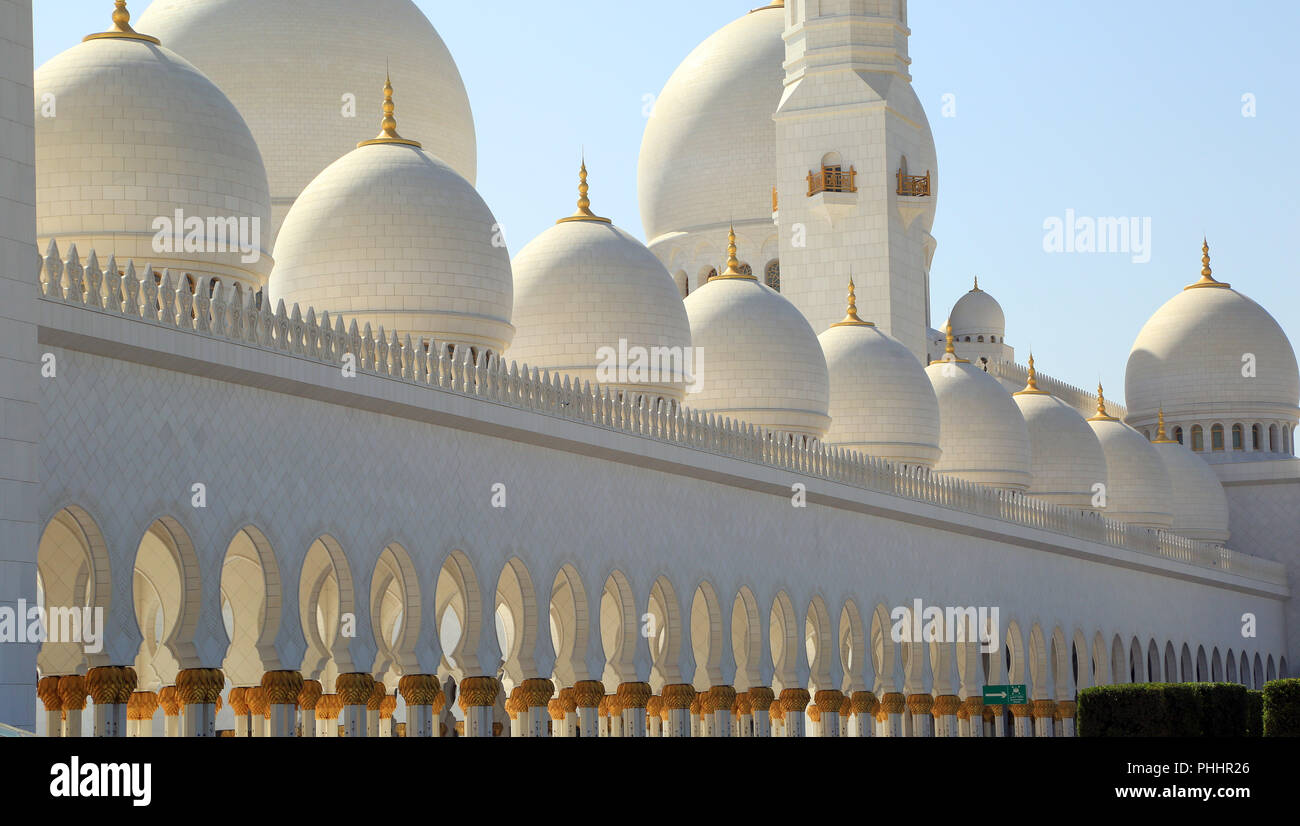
[[584, 285], [981, 430], [390, 235], [1066, 457], [1200, 506], [289, 65], [1138, 488], [978, 313], [713, 122], [881, 402], [762, 363], [135, 134], [1189, 358]]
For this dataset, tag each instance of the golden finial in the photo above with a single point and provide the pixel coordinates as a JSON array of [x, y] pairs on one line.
[[121, 27], [584, 212], [977, 285], [851, 318], [1161, 437], [1207, 274], [775, 4], [733, 263], [388, 126], [1102, 415], [1031, 387], [950, 352]]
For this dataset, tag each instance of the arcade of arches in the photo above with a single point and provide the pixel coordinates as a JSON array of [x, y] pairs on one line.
[[609, 663]]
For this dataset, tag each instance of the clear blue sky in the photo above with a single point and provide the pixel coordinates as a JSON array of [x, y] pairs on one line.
[[1106, 107]]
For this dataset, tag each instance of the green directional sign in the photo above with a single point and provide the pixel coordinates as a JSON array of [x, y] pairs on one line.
[[1001, 695]]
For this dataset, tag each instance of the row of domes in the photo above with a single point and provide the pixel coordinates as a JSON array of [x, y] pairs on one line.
[[392, 235]]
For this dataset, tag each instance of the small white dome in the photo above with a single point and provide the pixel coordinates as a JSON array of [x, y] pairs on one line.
[[127, 134], [712, 122], [981, 430], [762, 362], [1066, 457], [303, 75], [881, 402], [1190, 359], [977, 313], [585, 286], [1200, 506], [1138, 488], [390, 235]]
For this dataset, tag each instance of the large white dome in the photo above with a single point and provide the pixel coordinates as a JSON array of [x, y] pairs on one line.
[[1191, 357], [981, 430], [977, 313], [1138, 484], [881, 402], [302, 75], [713, 124], [1066, 457], [762, 363], [1199, 504], [127, 133], [585, 285], [390, 235]]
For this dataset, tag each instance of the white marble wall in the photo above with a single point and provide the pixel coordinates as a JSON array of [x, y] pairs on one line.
[[297, 450], [19, 427]]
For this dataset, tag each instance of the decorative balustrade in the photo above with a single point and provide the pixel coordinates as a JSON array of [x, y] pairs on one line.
[[233, 315], [1082, 400], [832, 179], [916, 186]]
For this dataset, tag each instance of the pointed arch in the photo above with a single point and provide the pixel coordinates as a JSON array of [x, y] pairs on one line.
[[570, 624]]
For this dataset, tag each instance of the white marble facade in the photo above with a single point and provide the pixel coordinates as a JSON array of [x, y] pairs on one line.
[[234, 464]]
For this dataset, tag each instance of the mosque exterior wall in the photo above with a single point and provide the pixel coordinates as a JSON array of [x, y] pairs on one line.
[[19, 432]]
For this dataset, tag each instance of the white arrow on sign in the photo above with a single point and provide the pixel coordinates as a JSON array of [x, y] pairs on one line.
[[1001, 694]]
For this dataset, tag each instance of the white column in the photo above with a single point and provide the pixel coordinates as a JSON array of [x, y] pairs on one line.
[[794, 701], [110, 687], [421, 693], [760, 703], [480, 694]]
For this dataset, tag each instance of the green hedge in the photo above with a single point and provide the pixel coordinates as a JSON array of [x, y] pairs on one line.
[[1255, 722], [1281, 708], [1163, 710]]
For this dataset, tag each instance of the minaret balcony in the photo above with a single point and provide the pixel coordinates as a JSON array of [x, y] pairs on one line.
[[832, 179], [914, 186]]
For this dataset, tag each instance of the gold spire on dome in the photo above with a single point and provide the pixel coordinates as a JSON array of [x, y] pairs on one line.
[[121, 27], [1207, 275], [1031, 387], [775, 4], [1161, 438], [851, 318], [584, 212], [1102, 415], [950, 352], [733, 263], [976, 288], [388, 126]]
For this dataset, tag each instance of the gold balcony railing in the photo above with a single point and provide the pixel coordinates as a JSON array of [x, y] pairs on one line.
[[832, 179], [914, 185]]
